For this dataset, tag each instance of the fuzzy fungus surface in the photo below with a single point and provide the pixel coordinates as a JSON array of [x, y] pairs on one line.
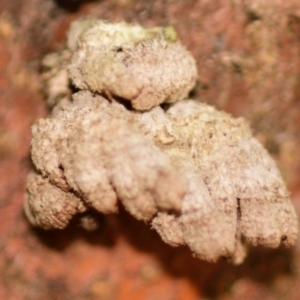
[[143, 66], [195, 174]]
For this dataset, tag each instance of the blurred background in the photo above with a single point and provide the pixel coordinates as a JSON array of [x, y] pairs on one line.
[[248, 55]]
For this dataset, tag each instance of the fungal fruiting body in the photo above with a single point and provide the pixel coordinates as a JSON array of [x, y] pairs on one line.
[[197, 175], [143, 66]]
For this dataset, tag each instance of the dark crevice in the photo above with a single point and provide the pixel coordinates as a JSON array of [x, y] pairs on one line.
[[251, 16], [110, 97], [239, 253], [166, 106], [73, 88], [71, 5], [124, 102], [238, 219]]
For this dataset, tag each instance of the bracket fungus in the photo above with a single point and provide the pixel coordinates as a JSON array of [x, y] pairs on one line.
[[195, 174]]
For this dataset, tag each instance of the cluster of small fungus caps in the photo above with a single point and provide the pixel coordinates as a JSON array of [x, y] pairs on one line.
[[123, 134]]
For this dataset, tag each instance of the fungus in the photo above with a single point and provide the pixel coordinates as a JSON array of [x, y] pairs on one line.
[[195, 174]]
